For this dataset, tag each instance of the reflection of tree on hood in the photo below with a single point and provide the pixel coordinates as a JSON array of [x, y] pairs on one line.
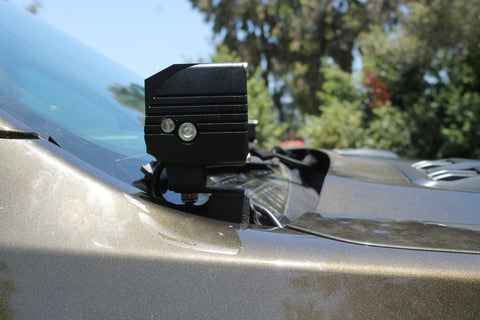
[[6, 289], [356, 296], [132, 96]]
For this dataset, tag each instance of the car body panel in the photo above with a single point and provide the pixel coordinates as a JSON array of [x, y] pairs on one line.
[[376, 190], [388, 233], [77, 243]]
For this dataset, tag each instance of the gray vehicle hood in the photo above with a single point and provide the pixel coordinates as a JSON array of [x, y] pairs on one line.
[[379, 202]]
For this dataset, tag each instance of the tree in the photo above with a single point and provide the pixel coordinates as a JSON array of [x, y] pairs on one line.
[[340, 124], [429, 64], [420, 94], [288, 39], [447, 116], [34, 7], [260, 104], [351, 118], [132, 96]]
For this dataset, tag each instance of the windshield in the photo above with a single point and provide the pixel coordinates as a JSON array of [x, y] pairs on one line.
[[86, 103], [69, 85]]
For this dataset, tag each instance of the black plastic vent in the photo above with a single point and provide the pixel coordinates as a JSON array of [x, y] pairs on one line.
[[456, 174]]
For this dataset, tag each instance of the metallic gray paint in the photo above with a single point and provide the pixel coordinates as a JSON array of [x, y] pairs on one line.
[[356, 188], [400, 234], [77, 243]]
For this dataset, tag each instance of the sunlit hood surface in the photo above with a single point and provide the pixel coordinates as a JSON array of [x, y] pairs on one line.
[[402, 234]]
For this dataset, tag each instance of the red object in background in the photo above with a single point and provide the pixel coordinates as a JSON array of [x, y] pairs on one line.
[[292, 144], [378, 89]]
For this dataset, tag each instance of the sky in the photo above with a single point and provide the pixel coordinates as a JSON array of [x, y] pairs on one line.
[[145, 36]]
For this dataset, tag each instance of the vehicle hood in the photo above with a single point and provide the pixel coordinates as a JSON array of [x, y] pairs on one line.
[[387, 202]]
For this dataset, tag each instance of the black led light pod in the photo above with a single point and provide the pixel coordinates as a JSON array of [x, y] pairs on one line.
[[196, 117]]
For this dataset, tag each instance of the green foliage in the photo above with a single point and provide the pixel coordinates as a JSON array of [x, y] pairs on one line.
[[338, 127], [289, 38], [447, 117], [444, 121], [341, 121], [260, 103], [337, 85], [132, 96], [430, 66], [260, 107], [445, 23], [421, 91], [387, 129], [346, 123], [399, 59]]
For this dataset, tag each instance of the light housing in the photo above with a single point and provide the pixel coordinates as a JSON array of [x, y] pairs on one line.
[[196, 116]]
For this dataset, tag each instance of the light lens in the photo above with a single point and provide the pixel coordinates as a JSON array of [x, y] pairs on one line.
[[187, 131], [167, 125]]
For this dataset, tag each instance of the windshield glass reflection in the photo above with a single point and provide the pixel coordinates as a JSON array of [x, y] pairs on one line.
[[70, 85]]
